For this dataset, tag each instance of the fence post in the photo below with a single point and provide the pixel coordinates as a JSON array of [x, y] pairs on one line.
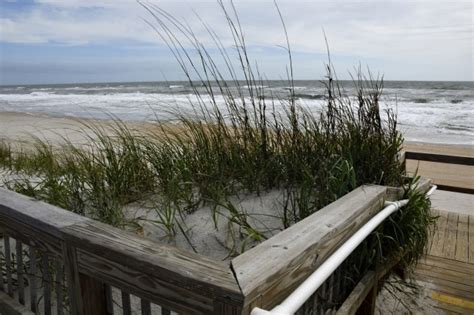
[[87, 295]]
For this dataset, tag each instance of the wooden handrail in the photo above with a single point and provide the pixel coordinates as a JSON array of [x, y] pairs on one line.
[[439, 158], [95, 253], [446, 159], [268, 272]]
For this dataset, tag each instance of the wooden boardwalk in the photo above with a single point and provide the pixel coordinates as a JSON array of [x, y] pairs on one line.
[[447, 270]]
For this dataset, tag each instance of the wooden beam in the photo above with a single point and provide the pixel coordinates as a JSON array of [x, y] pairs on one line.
[[268, 272], [440, 158], [357, 296], [162, 274]]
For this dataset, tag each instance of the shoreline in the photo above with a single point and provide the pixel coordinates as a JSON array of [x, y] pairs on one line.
[[17, 126]]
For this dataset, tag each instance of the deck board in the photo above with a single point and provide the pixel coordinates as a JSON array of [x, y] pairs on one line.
[[439, 237], [447, 270], [449, 246], [462, 240], [471, 239]]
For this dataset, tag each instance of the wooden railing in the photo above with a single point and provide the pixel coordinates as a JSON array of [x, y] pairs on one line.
[[66, 263], [98, 259], [445, 159]]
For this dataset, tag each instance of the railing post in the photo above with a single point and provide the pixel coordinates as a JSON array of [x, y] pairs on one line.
[[87, 295]]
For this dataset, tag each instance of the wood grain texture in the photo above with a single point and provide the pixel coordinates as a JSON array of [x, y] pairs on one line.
[[126, 307], [42, 216], [47, 283], [396, 193], [32, 277], [440, 232], [8, 264], [270, 271], [72, 279], [471, 239], [34, 222], [462, 240], [94, 298], [19, 273], [59, 286], [357, 296], [162, 274], [145, 307], [449, 248]]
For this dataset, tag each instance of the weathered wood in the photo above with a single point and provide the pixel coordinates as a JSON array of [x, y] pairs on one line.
[[59, 286], [72, 279], [19, 272], [47, 279], [162, 274], [45, 217], [462, 240], [440, 158], [167, 276], [34, 222], [441, 226], [357, 296], [463, 190], [271, 270], [449, 249], [109, 299], [2, 286], [8, 264], [127, 310], [145, 307], [32, 277], [94, 298], [471, 239], [396, 193], [165, 311]]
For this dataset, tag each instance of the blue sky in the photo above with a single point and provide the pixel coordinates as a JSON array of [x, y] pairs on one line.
[[68, 41]]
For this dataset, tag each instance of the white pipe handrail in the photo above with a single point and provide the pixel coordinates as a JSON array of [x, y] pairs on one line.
[[296, 299]]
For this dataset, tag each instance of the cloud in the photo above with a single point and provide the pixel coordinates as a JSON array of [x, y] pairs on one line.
[[394, 31]]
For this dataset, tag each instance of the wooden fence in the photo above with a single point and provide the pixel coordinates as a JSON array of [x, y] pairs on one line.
[[445, 159], [54, 261]]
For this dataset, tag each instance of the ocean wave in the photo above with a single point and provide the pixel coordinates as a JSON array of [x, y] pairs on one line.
[[176, 86], [310, 96], [421, 100], [38, 93]]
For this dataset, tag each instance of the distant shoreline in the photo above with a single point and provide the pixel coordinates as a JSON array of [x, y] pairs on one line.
[[17, 127]]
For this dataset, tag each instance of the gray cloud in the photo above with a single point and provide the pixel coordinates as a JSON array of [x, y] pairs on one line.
[[429, 33]]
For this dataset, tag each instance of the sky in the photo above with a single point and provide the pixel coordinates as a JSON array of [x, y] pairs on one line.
[[72, 41]]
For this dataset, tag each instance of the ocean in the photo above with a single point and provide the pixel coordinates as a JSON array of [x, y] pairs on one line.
[[434, 112]]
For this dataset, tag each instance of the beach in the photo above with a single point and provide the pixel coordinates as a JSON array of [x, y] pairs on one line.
[[18, 129]]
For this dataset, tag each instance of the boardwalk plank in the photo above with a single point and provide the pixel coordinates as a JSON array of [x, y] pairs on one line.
[[432, 234], [437, 274], [461, 275], [446, 286], [448, 263], [438, 243], [462, 241], [449, 248], [471, 239]]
